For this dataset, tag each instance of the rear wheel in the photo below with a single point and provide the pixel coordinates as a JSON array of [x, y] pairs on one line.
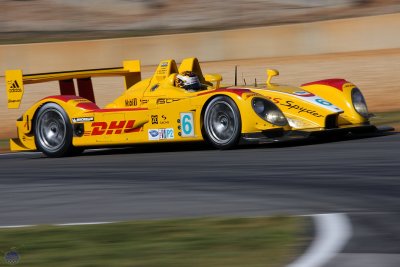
[[53, 131], [222, 123]]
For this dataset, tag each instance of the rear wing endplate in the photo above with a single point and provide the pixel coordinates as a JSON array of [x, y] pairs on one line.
[[16, 80]]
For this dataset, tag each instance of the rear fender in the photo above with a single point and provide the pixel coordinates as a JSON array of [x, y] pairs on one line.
[[73, 106]]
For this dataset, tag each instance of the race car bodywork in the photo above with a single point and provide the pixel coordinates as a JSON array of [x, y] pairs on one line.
[[155, 110]]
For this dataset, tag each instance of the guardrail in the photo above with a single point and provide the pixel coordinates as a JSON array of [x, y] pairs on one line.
[[344, 35]]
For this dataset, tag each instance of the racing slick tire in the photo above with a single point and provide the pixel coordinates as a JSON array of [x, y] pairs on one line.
[[222, 124], [53, 131]]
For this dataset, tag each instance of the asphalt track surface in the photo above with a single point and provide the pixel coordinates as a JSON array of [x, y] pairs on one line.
[[359, 177]]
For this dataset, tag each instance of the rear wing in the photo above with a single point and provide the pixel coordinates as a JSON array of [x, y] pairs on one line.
[[16, 80]]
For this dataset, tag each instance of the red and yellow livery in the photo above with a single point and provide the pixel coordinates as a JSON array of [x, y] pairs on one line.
[[156, 110]]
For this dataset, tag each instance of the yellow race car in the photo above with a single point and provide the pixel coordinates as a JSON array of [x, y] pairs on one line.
[[178, 105]]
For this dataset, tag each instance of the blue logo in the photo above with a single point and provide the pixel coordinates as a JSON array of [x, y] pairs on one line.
[[153, 133], [323, 102], [303, 93], [11, 257], [167, 133]]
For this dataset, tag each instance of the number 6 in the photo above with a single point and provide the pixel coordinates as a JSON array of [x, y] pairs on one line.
[[187, 124]]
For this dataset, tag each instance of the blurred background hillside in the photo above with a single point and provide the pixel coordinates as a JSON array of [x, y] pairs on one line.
[[55, 20]]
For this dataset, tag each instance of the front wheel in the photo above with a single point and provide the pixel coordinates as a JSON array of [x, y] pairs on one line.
[[53, 131], [222, 123]]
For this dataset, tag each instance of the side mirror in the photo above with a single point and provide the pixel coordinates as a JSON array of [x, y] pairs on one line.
[[271, 73], [215, 79]]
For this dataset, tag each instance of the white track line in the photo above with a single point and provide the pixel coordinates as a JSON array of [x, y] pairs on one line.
[[82, 223], [57, 224], [16, 226], [333, 231]]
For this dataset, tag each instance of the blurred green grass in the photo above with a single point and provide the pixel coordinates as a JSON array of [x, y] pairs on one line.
[[4, 144], [387, 118], [251, 242]]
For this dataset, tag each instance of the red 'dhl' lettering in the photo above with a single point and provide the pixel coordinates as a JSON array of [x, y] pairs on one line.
[[99, 128], [115, 127], [129, 127]]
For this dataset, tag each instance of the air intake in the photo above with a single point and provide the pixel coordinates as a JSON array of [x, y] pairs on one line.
[[331, 121]]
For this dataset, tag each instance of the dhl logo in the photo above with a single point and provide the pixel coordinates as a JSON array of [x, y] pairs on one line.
[[115, 127]]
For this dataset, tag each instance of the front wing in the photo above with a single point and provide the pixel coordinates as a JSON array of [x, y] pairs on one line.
[[342, 131]]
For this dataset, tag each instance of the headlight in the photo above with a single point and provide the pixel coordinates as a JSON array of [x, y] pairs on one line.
[[359, 103], [258, 106], [269, 111]]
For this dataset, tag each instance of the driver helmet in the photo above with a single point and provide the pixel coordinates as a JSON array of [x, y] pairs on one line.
[[188, 80]]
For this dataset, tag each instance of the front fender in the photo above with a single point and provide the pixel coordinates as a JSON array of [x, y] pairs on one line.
[[251, 122], [338, 92]]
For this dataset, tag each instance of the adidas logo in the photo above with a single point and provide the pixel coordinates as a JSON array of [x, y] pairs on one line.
[[14, 88], [15, 85]]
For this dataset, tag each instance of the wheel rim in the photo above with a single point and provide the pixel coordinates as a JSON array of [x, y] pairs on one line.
[[51, 129], [221, 122]]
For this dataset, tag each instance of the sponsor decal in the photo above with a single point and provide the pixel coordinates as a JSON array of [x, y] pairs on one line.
[[114, 127], [316, 99], [14, 87], [323, 102], [162, 70], [187, 124], [154, 119], [163, 120], [303, 93], [320, 102], [291, 105], [311, 99], [166, 133], [167, 100], [13, 100], [84, 119], [276, 100], [161, 134], [17, 90], [153, 134], [133, 102], [81, 100], [247, 95]]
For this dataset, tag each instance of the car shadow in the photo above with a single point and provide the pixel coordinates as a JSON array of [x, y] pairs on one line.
[[203, 146]]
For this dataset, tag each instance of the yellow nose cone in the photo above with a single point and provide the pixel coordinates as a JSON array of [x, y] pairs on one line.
[[271, 73]]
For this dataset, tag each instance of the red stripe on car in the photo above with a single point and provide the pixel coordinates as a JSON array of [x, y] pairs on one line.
[[64, 98], [88, 106], [116, 109], [336, 83], [239, 92]]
